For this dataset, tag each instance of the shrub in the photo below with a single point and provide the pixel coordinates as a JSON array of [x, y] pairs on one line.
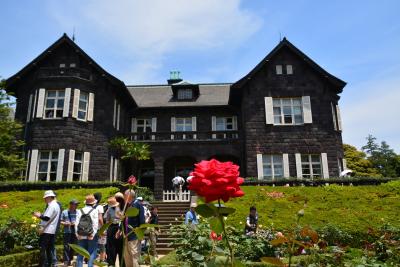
[[15, 234], [293, 181], [24, 186], [27, 258]]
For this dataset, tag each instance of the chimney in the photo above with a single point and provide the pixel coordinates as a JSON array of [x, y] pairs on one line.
[[174, 77]]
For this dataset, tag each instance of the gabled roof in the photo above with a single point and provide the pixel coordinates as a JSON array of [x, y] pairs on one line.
[[338, 83], [63, 39], [152, 96]]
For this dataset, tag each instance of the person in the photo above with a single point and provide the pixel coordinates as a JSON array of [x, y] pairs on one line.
[[55, 260], [132, 243], [251, 222], [49, 222], [86, 226], [154, 232], [68, 219], [114, 243], [177, 183], [191, 216], [103, 238]]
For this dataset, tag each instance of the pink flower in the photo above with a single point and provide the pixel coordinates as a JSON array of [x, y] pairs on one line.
[[215, 237], [132, 180]]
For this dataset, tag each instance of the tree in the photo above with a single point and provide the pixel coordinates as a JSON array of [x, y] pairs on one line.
[[12, 162], [371, 147], [358, 163], [129, 150]]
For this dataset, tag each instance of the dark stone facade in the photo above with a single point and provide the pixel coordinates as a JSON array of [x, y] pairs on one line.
[[246, 101]]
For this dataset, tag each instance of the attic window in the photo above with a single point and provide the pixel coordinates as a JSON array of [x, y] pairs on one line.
[[184, 94], [62, 65], [289, 69], [72, 65], [279, 69]]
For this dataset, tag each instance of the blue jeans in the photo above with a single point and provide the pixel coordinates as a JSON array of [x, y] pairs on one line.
[[91, 247]]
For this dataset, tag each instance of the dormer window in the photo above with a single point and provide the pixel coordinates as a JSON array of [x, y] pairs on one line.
[[184, 94]]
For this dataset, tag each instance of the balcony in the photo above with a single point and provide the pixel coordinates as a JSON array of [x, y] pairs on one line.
[[50, 72], [184, 136]]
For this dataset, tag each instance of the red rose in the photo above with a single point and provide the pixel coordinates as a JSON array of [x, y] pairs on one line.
[[216, 180], [215, 237], [132, 180]]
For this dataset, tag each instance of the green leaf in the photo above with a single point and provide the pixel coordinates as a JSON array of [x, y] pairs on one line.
[[225, 211], [104, 228], [197, 257], [80, 250], [205, 210], [216, 225], [148, 225], [139, 233], [238, 263], [273, 260], [99, 263], [132, 212]]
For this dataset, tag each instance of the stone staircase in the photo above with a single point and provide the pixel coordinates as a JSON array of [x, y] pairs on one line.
[[169, 213]]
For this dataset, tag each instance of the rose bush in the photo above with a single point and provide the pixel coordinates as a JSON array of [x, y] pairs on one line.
[[216, 180]]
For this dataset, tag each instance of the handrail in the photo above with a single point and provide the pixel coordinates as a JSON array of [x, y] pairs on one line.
[[184, 136]]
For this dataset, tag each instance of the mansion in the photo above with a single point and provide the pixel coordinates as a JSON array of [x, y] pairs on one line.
[[281, 120]]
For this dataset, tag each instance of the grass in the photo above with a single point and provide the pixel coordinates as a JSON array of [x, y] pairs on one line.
[[20, 205], [352, 208]]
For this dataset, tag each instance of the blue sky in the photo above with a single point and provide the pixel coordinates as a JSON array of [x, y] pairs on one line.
[[221, 40]]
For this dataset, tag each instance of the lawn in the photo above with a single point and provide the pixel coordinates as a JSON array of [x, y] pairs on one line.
[[352, 208], [20, 205]]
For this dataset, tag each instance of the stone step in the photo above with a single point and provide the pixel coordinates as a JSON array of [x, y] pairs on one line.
[[164, 250]]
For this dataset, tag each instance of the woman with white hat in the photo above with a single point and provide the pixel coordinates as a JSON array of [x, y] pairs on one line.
[[114, 244]]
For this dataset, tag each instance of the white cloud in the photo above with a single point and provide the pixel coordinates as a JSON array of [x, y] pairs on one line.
[[147, 30], [374, 110]]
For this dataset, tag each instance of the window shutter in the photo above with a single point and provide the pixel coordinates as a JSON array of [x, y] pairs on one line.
[[286, 166], [115, 113], [339, 118], [344, 164], [71, 158], [66, 102], [154, 125], [60, 165], [260, 169], [299, 171], [90, 107], [111, 168], [134, 125], [235, 126], [325, 169], [307, 115], [28, 116], [28, 157], [85, 171], [33, 166], [213, 126], [269, 110], [194, 122], [118, 115], [116, 169], [75, 104], [173, 127], [334, 117], [40, 104]]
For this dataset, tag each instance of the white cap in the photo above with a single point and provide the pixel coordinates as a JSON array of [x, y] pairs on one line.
[[193, 205], [139, 198], [49, 193]]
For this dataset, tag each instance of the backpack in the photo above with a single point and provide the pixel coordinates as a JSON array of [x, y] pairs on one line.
[[85, 226]]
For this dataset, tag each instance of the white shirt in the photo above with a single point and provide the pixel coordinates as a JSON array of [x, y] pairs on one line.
[[52, 211], [178, 180], [93, 215]]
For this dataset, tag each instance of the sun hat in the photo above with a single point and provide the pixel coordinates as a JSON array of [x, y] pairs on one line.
[[90, 200], [119, 195], [74, 202], [193, 205], [49, 193], [112, 202], [139, 198]]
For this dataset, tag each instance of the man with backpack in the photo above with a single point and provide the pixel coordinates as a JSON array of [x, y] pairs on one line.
[[86, 226]]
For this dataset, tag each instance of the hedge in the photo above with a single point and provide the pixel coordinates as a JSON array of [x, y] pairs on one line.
[[29, 258], [28, 186], [318, 182]]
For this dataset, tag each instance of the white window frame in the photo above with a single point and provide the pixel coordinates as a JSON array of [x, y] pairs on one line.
[[272, 164], [55, 108], [184, 124], [279, 69], [75, 161], [144, 123], [184, 94], [310, 164], [48, 172], [289, 69], [83, 110], [292, 106]]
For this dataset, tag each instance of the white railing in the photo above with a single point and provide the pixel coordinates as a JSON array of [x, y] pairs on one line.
[[172, 196]]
